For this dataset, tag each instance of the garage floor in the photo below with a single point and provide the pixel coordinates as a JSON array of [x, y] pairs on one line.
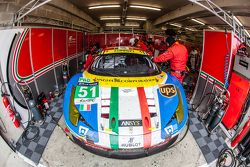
[[60, 151]]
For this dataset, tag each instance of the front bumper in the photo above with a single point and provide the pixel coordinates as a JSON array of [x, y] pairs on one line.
[[125, 153]]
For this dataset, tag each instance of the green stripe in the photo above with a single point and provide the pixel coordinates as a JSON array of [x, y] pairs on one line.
[[81, 107], [217, 81], [113, 115]]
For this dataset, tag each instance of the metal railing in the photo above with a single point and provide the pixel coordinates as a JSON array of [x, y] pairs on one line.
[[28, 8], [224, 16]]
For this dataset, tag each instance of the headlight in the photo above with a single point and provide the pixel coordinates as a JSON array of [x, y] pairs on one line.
[[180, 109], [73, 112]]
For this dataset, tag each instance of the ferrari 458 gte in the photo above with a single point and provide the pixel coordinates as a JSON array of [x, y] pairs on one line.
[[124, 106]]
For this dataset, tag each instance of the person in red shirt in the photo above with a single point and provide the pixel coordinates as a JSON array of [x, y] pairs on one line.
[[178, 56], [89, 61], [140, 44]]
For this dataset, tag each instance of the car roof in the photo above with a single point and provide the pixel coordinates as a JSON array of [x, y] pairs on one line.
[[123, 49]]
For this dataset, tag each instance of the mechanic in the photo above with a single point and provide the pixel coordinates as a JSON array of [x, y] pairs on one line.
[[178, 56], [89, 60], [90, 55], [135, 42], [193, 56]]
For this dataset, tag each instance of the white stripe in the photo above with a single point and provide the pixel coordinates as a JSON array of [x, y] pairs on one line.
[[103, 123], [129, 109], [156, 134]]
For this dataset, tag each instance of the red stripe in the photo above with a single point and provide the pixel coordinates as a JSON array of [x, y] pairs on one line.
[[146, 121], [88, 107]]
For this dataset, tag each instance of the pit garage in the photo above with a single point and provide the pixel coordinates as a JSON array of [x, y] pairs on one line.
[[125, 83]]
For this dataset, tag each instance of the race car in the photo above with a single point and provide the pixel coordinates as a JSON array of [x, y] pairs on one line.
[[124, 106]]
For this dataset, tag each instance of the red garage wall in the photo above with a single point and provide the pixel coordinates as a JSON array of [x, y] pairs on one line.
[[71, 43], [79, 42], [41, 43], [214, 53], [22, 54], [59, 43], [114, 39], [40, 56], [124, 39]]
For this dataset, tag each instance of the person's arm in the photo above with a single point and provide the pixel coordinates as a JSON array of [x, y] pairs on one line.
[[164, 56]]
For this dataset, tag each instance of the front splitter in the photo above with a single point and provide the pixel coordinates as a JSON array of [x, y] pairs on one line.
[[126, 153]]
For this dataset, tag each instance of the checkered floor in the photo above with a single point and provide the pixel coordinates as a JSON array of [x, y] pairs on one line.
[[33, 150], [210, 146]]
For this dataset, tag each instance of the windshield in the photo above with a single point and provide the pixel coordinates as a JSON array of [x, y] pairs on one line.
[[124, 64]]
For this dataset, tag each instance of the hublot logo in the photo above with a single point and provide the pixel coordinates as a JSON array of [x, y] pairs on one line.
[[128, 123], [131, 143]]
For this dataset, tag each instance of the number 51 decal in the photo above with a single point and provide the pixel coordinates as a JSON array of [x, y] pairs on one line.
[[87, 91]]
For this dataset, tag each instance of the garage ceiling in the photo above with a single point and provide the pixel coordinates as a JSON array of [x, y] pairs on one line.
[[164, 5], [179, 12]]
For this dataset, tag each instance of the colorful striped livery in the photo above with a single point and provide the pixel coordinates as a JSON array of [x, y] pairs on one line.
[[126, 121]]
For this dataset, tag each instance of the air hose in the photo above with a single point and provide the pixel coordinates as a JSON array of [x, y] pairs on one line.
[[225, 156], [29, 128]]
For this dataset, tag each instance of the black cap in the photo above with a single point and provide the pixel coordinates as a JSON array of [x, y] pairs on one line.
[[170, 40]]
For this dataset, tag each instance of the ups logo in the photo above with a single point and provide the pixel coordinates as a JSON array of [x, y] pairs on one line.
[[167, 90]]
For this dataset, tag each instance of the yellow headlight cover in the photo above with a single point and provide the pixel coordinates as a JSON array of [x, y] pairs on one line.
[[73, 112], [180, 109]]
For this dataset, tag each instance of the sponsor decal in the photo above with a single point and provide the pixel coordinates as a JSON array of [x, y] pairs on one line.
[[91, 91], [167, 90], [127, 90], [110, 51], [128, 123], [130, 129], [82, 131], [127, 81], [81, 79], [85, 107], [131, 143], [87, 84], [169, 130], [84, 101], [71, 40]]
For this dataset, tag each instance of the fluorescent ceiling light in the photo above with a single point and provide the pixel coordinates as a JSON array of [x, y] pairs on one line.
[[144, 7], [113, 24], [212, 28], [247, 33], [197, 21], [104, 6], [238, 21], [176, 25], [190, 29], [164, 28], [110, 18], [136, 18], [132, 24]]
